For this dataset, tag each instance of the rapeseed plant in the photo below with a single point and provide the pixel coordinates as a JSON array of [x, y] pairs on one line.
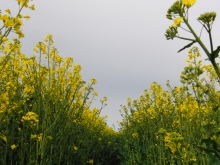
[[47, 119], [179, 126], [45, 108]]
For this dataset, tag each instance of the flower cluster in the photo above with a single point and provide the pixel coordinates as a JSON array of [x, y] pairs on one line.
[[31, 117], [14, 24], [178, 13], [170, 123]]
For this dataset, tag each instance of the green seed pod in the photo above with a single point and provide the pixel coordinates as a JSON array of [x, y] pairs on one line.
[[204, 123], [191, 67], [200, 71], [171, 33], [182, 77], [183, 81], [197, 67], [207, 17], [183, 72], [169, 16]]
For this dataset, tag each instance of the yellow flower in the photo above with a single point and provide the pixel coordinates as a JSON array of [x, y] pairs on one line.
[[134, 135], [30, 116], [75, 148], [189, 3], [33, 136], [20, 16], [129, 101], [20, 35], [23, 2], [95, 93], [8, 11], [49, 137], [90, 161], [32, 7], [27, 16], [4, 138], [4, 39], [93, 81], [104, 100], [177, 22], [13, 146], [40, 136], [193, 159], [213, 137], [77, 68], [50, 38], [9, 23]]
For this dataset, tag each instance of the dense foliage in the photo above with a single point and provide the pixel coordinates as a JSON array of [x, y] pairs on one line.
[[167, 127]]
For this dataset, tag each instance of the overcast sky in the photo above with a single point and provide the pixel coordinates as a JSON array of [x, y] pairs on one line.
[[120, 43]]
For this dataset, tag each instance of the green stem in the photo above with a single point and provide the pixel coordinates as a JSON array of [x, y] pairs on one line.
[[189, 39], [204, 48], [210, 38], [197, 38], [48, 61]]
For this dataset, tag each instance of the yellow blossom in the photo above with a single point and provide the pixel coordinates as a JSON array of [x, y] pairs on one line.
[[4, 39], [188, 3], [13, 146], [77, 68], [104, 100], [49, 137], [40, 137], [4, 138], [32, 7], [134, 135], [27, 16], [90, 161], [8, 11], [20, 34], [20, 16], [50, 38], [193, 159], [23, 2], [30, 116], [33, 136], [75, 148], [177, 22], [93, 81], [95, 93], [213, 137]]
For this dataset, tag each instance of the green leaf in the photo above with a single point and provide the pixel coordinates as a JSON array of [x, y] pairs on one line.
[[215, 53], [215, 109], [210, 152], [187, 46], [208, 141], [213, 143], [213, 159]]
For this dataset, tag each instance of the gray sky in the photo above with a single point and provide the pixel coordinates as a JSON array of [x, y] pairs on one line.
[[120, 43]]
